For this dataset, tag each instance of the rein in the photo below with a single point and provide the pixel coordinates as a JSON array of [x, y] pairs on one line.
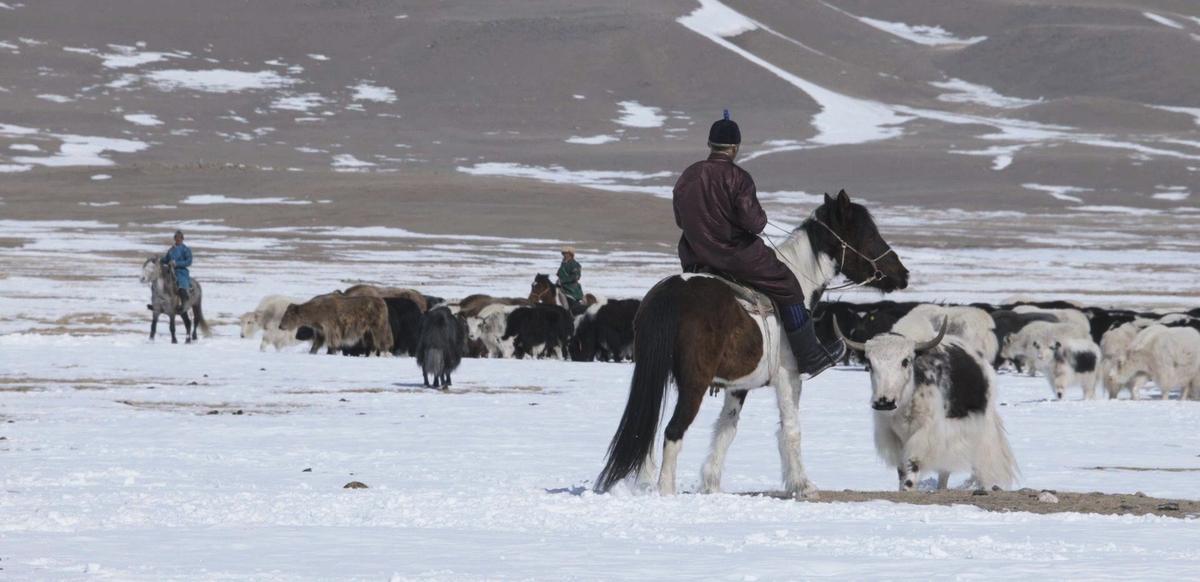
[[876, 276]]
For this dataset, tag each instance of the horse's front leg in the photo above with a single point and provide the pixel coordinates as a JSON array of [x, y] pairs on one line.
[[787, 394], [171, 319], [153, 324], [723, 433]]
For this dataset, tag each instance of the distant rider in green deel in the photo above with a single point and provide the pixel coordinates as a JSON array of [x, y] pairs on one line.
[[568, 275]]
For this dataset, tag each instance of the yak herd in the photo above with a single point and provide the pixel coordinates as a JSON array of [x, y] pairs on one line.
[[366, 320], [1069, 344]]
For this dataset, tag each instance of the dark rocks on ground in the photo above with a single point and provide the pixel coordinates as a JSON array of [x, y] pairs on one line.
[[355, 485]]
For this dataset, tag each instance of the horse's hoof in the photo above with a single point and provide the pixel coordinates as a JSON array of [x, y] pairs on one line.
[[174, 341]]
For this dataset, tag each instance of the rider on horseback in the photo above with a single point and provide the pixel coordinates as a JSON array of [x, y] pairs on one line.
[[179, 257], [717, 207], [568, 275]]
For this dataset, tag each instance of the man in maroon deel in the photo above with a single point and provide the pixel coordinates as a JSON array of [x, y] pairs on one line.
[[717, 207]]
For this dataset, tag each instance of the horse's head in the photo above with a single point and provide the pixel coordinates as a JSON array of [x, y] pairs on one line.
[[542, 290], [150, 271], [846, 232]]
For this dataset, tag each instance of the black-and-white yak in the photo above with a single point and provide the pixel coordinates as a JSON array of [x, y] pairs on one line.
[[935, 410]]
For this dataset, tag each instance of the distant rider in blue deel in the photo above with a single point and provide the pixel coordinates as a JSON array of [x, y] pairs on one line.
[[180, 257]]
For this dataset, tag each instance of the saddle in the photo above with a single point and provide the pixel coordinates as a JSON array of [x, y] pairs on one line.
[[755, 302]]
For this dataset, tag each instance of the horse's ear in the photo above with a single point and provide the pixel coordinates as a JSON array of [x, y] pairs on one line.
[[828, 200], [844, 202]]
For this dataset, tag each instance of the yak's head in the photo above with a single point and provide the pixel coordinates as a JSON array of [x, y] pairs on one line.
[[893, 358], [291, 318]]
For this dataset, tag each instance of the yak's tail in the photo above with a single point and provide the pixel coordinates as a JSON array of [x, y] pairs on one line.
[[997, 464], [433, 362], [656, 327]]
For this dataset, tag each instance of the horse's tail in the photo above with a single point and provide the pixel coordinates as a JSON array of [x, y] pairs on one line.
[[656, 327], [200, 321]]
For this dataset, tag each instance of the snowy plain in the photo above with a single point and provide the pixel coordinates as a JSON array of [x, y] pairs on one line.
[[117, 468]]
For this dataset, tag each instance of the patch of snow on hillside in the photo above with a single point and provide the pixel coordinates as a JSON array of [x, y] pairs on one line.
[[611, 181], [1002, 156], [1193, 111], [1119, 210], [146, 119], [1172, 193], [718, 19], [75, 150], [593, 140], [301, 102], [349, 163], [204, 199], [1059, 192], [55, 98], [967, 92], [842, 119], [125, 56], [634, 114], [217, 80], [920, 34], [1163, 20], [365, 91]]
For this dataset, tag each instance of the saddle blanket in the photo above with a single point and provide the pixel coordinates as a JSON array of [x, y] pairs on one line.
[[751, 299]]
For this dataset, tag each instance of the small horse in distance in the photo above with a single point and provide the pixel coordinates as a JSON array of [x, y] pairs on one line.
[[692, 328], [164, 298], [543, 291]]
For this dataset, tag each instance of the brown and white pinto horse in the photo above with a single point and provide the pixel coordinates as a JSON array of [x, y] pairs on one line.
[[692, 328]]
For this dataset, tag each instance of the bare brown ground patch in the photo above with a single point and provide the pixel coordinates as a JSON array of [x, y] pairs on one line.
[[207, 408], [1146, 469], [28, 384], [468, 389], [90, 318], [1024, 500]]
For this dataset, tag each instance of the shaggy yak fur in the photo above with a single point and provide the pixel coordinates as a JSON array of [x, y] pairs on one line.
[[440, 346], [339, 321]]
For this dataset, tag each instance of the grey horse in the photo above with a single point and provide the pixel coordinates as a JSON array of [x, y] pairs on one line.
[[164, 298]]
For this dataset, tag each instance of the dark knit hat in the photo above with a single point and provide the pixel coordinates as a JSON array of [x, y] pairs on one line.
[[725, 132]]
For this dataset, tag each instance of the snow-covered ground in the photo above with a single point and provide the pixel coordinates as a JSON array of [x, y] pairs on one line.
[[116, 468]]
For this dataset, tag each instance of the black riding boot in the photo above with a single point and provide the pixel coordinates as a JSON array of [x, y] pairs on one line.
[[812, 356], [183, 299]]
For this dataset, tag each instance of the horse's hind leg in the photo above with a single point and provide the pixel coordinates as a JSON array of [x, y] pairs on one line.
[[723, 433], [691, 393], [187, 327], [787, 395]]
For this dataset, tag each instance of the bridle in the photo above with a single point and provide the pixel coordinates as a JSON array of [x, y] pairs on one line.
[[878, 274], [537, 297]]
